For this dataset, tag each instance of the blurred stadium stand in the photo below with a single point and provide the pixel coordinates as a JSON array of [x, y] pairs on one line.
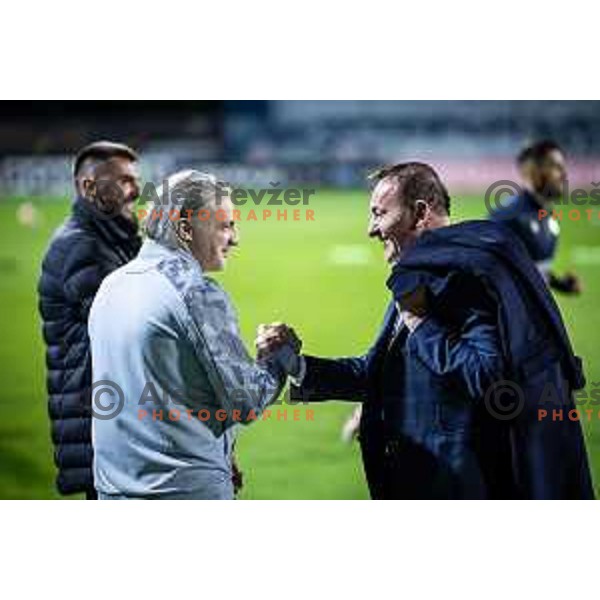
[[332, 143]]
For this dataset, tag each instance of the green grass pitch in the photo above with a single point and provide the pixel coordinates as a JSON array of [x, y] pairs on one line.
[[326, 278]]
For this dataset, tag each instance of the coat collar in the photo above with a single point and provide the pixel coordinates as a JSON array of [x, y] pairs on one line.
[[116, 230], [152, 251]]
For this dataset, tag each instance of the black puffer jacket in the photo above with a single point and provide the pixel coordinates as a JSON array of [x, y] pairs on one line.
[[81, 254]]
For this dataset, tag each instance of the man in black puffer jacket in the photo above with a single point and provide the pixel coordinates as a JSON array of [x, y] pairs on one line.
[[99, 236]]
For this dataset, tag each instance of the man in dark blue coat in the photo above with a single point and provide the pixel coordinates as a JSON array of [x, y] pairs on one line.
[[543, 169], [99, 236], [452, 387]]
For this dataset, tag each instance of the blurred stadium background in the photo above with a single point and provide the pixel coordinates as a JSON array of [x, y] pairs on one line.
[[324, 277]]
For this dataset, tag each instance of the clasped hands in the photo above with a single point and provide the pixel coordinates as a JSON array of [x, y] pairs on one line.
[[279, 343], [273, 337]]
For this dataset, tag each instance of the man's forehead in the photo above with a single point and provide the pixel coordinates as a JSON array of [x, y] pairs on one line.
[[553, 157], [557, 157], [384, 192], [124, 165], [116, 165]]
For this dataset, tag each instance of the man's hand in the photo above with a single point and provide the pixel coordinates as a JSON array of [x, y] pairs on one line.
[[413, 308], [237, 477], [569, 283], [272, 337]]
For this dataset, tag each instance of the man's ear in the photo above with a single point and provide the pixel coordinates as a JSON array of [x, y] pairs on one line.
[[529, 173], [421, 213], [86, 186], [183, 228]]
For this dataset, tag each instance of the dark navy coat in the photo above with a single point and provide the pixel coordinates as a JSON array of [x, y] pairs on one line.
[[434, 424], [81, 254]]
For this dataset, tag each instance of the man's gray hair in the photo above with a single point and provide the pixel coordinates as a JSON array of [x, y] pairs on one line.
[[181, 192]]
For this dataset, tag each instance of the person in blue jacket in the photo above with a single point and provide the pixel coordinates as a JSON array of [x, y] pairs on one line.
[[471, 346], [543, 169], [99, 236]]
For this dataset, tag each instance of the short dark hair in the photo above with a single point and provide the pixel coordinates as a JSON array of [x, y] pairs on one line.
[[537, 151], [101, 151], [417, 181]]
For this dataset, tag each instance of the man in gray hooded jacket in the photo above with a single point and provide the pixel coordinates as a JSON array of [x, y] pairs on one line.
[[166, 348]]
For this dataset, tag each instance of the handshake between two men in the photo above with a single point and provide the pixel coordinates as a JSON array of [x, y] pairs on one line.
[[466, 307], [271, 338]]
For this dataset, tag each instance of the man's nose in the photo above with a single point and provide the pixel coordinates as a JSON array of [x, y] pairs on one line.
[[235, 238], [132, 190], [372, 229]]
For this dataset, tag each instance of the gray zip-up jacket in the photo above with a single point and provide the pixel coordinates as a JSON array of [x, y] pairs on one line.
[[172, 379]]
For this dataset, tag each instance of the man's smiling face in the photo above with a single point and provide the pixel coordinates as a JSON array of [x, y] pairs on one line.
[[390, 221], [214, 238]]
